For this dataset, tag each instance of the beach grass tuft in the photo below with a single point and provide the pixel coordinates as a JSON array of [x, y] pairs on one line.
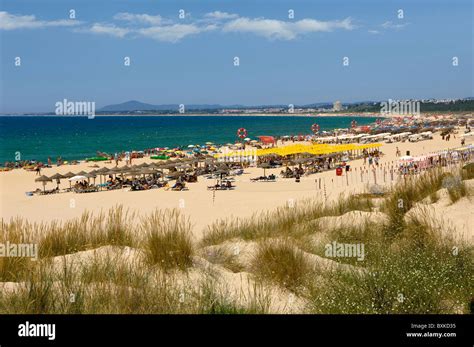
[[168, 241], [280, 262]]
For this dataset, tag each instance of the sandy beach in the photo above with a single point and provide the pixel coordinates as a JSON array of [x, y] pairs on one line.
[[199, 204]]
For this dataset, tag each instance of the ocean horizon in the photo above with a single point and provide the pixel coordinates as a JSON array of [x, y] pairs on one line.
[[37, 137]]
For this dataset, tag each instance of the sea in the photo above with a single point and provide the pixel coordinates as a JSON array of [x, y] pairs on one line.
[[76, 138]]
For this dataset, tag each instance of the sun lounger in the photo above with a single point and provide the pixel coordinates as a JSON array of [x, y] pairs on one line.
[[220, 187], [85, 190], [264, 179]]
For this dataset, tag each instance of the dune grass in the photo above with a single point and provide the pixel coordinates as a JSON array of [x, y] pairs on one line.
[[456, 187], [13, 269], [280, 262], [215, 298], [168, 241], [419, 271], [282, 222], [88, 232], [225, 257]]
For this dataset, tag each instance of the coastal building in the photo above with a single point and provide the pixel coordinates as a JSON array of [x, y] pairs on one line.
[[337, 106]]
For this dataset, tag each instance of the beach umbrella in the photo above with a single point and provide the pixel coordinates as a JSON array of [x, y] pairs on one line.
[[168, 166], [264, 166], [91, 175], [69, 175], [175, 174], [124, 169], [221, 172], [57, 177], [43, 179], [77, 178], [82, 173], [146, 171]]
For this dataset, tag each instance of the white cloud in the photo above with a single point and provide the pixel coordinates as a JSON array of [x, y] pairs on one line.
[[139, 18], [173, 33], [283, 30], [11, 22], [221, 15], [167, 30], [391, 25], [108, 29], [375, 32]]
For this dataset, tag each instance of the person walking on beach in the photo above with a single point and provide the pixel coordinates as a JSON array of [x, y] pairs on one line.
[[127, 158], [38, 170], [49, 161], [398, 152], [116, 159]]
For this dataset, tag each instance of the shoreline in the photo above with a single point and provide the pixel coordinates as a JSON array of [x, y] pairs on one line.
[[304, 115]]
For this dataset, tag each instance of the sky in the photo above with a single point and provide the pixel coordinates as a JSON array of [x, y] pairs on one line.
[[183, 52]]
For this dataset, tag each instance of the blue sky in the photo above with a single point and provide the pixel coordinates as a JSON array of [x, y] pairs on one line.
[[191, 60]]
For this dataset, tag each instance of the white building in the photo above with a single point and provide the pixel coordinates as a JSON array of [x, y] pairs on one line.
[[337, 106]]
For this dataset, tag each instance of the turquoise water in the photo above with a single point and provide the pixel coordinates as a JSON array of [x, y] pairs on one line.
[[37, 137]]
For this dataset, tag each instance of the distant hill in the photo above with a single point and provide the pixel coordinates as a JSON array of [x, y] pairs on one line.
[[137, 107], [134, 105]]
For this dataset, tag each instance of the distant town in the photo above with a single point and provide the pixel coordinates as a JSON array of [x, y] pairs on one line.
[[133, 107], [425, 105]]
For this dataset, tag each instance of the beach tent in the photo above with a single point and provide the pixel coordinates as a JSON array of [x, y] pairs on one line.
[[77, 178]]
